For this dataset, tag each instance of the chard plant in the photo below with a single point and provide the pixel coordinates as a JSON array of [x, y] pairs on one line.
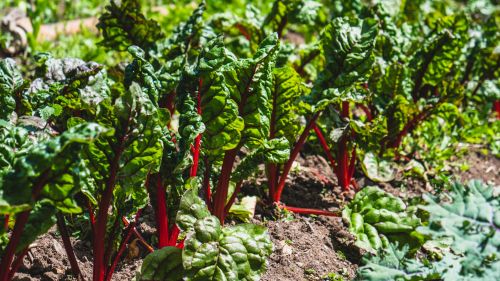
[[234, 97], [49, 165], [211, 251], [51, 172], [114, 163], [347, 46]]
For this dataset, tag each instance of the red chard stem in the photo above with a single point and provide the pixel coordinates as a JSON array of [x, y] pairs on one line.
[[293, 155]]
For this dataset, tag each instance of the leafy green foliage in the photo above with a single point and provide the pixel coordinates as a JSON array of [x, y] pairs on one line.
[[275, 151], [374, 216], [348, 48], [392, 263], [163, 264], [286, 90], [249, 83], [286, 12], [134, 150], [211, 252], [204, 100], [123, 25], [51, 173], [215, 253], [219, 111], [471, 220], [10, 82], [57, 159]]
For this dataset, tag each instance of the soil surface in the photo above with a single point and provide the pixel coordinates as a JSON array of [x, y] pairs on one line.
[[480, 166], [305, 247]]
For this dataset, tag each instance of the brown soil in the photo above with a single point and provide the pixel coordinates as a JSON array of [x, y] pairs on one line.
[[305, 249], [481, 166], [46, 261]]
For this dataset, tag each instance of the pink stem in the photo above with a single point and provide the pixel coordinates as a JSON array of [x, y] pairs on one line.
[[197, 141], [324, 145], [293, 155], [308, 211], [124, 242], [161, 214], [223, 184], [206, 185], [17, 232], [17, 262]]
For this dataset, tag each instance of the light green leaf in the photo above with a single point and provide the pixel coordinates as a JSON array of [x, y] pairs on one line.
[[163, 264], [10, 81], [376, 169], [374, 216]]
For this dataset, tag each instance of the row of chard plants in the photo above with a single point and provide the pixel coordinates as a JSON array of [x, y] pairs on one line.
[[192, 115]]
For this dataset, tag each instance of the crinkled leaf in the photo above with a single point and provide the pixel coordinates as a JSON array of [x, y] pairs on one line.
[[10, 80], [163, 264], [57, 159], [291, 12], [348, 49], [250, 81], [133, 150], [287, 88], [376, 169], [143, 73], [472, 220], [392, 264], [14, 141], [275, 151], [212, 252], [437, 56], [191, 209], [375, 214], [233, 253], [67, 86], [219, 110], [123, 25]]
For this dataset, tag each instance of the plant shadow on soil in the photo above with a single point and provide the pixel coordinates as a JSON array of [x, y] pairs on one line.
[[305, 247]]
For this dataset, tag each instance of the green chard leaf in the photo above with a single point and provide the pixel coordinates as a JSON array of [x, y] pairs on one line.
[[10, 82], [48, 171], [250, 83], [212, 252], [142, 72], [178, 51], [223, 125], [348, 50], [132, 151], [275, 151], [66, 86], [123, 25], [287, 89], [14, 141], [436, 58], [286, 12], [164, 264]]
